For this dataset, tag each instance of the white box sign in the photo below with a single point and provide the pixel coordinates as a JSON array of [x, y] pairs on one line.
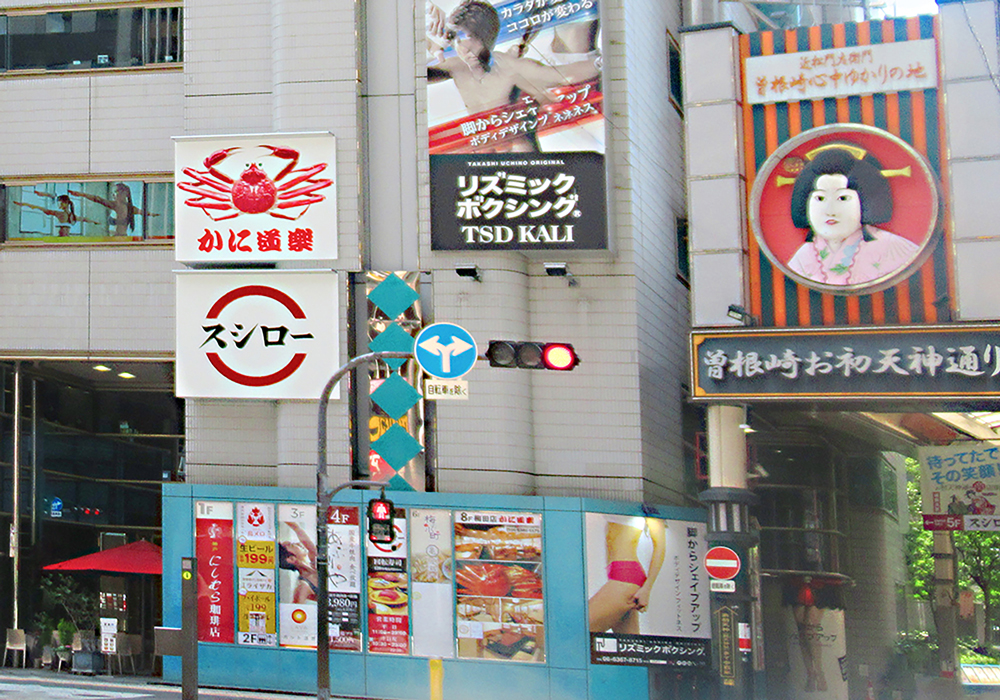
[[255, 198], [256, 335], [855, 70]]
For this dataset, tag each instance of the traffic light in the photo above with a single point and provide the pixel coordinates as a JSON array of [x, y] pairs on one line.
[[380, 528], [532, 355]]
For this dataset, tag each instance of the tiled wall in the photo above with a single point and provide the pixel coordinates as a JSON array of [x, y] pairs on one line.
[[609, 429], [969, 56]]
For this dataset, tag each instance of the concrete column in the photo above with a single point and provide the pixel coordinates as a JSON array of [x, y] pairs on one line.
[[729, 525]]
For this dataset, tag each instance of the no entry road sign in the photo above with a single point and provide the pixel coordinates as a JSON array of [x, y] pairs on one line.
[[722, 563]]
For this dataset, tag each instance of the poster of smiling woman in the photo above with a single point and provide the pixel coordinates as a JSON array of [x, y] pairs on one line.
[[845, 208]]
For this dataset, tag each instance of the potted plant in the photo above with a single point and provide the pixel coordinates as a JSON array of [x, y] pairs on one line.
[[41, 650], [64, 652]]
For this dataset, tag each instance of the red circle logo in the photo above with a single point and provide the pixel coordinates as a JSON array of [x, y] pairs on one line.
[[845, 209]]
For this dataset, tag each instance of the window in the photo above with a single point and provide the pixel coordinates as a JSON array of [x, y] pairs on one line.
[[674, 74], [87, 212], [683, 254], [110, 38]]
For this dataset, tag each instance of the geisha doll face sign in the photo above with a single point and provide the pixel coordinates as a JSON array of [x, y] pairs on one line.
[[845, 208]]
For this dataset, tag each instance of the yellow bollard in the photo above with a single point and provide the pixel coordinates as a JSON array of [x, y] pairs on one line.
[[437, 679]]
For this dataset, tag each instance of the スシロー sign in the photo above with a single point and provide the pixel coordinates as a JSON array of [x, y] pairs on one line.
[[255, 198], [263, 335]]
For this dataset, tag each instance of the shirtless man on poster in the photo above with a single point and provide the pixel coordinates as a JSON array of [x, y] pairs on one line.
[[485, 78]]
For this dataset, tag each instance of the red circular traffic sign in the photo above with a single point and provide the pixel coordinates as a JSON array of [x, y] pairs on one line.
[[722, 563]]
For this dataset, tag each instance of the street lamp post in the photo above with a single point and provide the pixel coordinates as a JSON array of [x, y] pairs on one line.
[[323, 499]]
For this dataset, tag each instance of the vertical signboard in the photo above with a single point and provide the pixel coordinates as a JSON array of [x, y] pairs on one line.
[[389, 593], [262, 335], [255, 561], [516, 126], [648, 595], [498, 575], [844, 147], [960, 486], [214, 551], [298, 580], [432, 591], [344, 553], [255, 198]]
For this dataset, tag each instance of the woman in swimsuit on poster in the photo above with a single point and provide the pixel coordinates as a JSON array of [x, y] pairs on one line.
[[617, 604], [65, 216], [300, 556], [121, 207]]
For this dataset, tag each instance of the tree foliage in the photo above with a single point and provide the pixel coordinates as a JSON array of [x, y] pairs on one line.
[[978, 552], [79, 603], [919, 542]]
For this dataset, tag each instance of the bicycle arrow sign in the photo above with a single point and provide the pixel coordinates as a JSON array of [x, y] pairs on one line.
[[445, 350]]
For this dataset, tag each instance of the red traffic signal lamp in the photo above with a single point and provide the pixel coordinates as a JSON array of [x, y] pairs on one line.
[[532, 355], [380, 527]]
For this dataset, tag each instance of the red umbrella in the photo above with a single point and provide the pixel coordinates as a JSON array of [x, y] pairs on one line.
[[140, 557]]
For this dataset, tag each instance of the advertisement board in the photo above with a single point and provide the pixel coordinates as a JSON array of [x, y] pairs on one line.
[[343, 535], [389, 592], [960, 486], [648, 594], [843, 151], [214, 550], [261, 335], [298, 580], [256, 608], [255, 198], [516, 125], [498, 578], [432, 600]]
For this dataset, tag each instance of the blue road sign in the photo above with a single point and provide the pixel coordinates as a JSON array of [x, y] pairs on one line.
[[56, 507], [445, 351]]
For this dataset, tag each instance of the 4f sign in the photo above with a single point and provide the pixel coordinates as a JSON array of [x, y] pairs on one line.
[[265, 335]]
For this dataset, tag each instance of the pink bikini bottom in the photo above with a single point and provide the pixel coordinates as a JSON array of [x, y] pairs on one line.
[[627, 572]]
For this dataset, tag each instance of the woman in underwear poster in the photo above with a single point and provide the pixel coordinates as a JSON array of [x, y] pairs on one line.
[[634, 550]]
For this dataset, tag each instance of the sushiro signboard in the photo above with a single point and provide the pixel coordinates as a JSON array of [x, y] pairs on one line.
[[255, 198], [260, 335]]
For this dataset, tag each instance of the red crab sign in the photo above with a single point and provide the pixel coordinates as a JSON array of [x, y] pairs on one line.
[[260, 198], [263, 335]]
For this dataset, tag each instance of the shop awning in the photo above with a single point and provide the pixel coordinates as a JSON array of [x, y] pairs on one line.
[[140, 557]]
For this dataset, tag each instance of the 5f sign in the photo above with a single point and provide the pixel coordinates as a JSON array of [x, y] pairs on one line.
[[265, 335]]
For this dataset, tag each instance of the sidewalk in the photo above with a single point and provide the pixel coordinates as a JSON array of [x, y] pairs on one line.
[[135, 682]]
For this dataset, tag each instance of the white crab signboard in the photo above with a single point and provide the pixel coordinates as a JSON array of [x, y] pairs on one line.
[[255, 198], [262, 335]]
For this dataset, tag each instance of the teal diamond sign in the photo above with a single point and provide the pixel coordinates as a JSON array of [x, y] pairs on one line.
[[393, 296], [393, 338], [396, 396], [397, 447]]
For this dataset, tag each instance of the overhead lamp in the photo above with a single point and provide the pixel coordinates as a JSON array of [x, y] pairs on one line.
[[745, 427], [102, 368], [738, 313], [126, 375], [471, 272], [560, 269]]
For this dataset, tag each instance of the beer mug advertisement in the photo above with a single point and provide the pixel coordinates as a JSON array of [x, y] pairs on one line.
[[516, 125], [845, 209]]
